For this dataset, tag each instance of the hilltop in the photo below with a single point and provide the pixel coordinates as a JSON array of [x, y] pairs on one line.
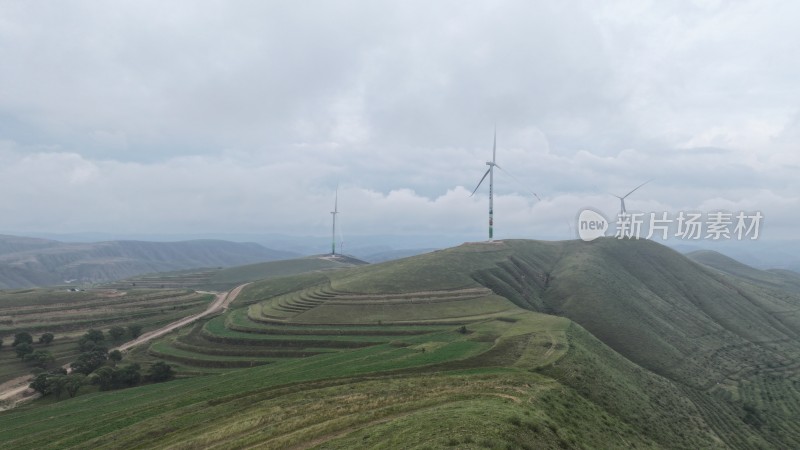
[[29, 262], [613, 343]]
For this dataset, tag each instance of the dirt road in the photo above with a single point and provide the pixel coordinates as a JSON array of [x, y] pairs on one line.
[[222, 301], [16, 391]]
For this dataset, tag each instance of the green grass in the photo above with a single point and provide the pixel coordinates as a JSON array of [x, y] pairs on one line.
[[653, 350], [192, 404], [234, 276], [408, 312], [219, 279]]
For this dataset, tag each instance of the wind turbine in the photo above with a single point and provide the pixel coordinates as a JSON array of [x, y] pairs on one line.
[[622, 211], [333, 214], [490, 172]]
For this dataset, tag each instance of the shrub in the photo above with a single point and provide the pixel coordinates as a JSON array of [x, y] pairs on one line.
[[22, 338], [160, 371], [116, 333], [135, 331], [23, 349], [39, 358], [88, 362]]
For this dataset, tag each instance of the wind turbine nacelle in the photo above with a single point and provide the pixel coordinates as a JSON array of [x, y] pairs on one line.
[[489, 163]]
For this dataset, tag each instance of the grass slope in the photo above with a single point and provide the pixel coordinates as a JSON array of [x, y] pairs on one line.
[[654, 350], [223, 279], [785, 280]]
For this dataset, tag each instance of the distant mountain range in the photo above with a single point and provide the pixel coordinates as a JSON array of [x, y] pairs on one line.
[[27, 262], [760, 254]]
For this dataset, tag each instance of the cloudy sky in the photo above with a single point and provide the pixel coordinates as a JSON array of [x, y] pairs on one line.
[[242, 116]]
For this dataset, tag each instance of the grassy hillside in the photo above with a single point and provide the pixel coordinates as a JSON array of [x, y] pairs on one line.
[[222, 279], [464, 348], [771, 279], [26, 262], [475, 390]]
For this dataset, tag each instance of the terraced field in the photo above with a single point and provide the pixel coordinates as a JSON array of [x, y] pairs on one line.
[[183, 279], [320, 319], [489, 388], [68, 315]]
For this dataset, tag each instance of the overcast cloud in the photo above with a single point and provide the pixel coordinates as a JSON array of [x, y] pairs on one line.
[[242, 117]]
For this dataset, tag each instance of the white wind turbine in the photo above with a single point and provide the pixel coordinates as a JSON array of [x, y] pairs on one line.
[[333, 214], [490, 171], [622, 211]]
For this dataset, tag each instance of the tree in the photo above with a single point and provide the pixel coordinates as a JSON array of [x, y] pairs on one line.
[[88, 362], [22, 338], [95, 335], [56, 384], [92, 340], [1, 343], [135, 330], [46, 338], [104, 377], [116, 378], [23, 349], [115, 356], [127, 376], [39, 358], [85, 346], [74, 383], [116, 333], [39, 384], [160, 371]]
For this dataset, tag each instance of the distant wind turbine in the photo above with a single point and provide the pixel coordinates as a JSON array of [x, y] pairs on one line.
[[490, 172], [333, 214], [622, 210]]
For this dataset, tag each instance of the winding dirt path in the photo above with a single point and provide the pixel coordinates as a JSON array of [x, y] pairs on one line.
[[220, 303], [14, 392]]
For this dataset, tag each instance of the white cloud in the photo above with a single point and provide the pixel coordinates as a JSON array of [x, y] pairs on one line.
[[242, 117]]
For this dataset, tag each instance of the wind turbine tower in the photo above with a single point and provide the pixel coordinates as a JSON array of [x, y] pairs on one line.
[[333, 214], [622, 211], [490, 172]]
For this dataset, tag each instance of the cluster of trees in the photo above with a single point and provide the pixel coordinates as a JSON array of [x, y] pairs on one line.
[[117, 333], [57, 382], [108, 377], [24, 348], [96, 365]]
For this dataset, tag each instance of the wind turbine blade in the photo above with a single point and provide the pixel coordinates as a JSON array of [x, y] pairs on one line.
[[634, 189], [479, 182], [336, 200], [494, 146], [518, 182]]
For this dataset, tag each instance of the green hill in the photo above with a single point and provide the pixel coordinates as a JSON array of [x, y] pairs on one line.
[[222, 279], [463, 348], [771, 279], [28, 262]]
